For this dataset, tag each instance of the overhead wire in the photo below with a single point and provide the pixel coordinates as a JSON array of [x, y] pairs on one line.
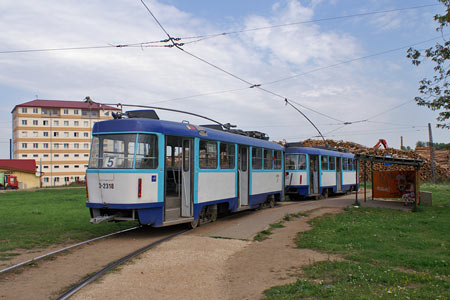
[[251, 85], [310, 21], [199, 38]]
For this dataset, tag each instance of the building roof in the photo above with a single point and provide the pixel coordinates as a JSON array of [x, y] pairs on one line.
[[24, 165], [64, 104]]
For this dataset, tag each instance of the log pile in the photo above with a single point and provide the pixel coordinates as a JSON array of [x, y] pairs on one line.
[[442, 157], [442, 171]]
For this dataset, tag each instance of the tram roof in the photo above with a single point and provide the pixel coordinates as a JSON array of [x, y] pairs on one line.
[[317, 151], [178, 129]]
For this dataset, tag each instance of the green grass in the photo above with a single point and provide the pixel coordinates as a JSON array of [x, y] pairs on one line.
[[32, 219], [390, 254]]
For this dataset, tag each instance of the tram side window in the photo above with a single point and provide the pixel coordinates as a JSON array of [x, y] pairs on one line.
[[324, 162], [207, 155], [291, 162], [256, 158], [277, 160], [332, 163], [268, 158], [302, 162], [227, 156], [350, 164], [147, 152], [112, 151], [345, 164]]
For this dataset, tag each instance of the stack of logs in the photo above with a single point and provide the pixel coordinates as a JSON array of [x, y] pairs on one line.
[[425, 170]]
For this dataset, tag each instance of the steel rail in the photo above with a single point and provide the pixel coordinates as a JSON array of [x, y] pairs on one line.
[[98, 274], [64, 249]]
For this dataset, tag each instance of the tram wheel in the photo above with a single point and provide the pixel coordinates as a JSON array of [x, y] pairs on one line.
[[194, 223]]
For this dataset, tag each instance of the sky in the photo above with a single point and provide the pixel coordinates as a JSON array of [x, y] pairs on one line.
[[335, 70]]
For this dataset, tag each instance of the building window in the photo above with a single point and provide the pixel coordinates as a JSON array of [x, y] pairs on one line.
[[45, 155], [76, 146], [56, 179], [35, 134], [45, 133], [45, 122], [45, 145], [56, 145], [24, 109], [86, 146], [45, 167], [86, 155], [24, 122], [56, 155], [56, 122], [35, 145], [56, 167], [66, 123], [24, 133], [66, 111], [45, 179], [35, 122], [66, 167], [35, 155], [55, 112], [66, 179], [66, 146], [76, 123], [86, 134], [84, 112], [106, 113], [85, 166], [66, 134], [76, 134], [75, 111], [76, 155], [66, 155], [35, 110], [44, 111], [24, 155], [86, 124], [55, 134], [76, 166]]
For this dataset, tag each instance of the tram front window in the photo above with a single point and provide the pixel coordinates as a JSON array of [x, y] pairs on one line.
[[112, 151]]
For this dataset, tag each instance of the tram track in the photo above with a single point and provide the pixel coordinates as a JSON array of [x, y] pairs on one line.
[[50, 277], [32, 260], [67, 294]]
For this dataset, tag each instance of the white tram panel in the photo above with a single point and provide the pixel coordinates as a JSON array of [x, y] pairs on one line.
[[349, 177], [328, 179], [122, 188], [266, 182], [216, 186], [297, 178]]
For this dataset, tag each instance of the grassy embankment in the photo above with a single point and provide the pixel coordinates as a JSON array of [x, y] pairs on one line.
[[33, 219], [388, 254]]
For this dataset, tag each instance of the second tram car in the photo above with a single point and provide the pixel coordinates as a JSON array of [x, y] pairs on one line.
[[315, 172], [163, 173]]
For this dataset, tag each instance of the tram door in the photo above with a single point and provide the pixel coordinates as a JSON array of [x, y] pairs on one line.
[[314, 174], [338, 174], [243, 175], [187, 178]]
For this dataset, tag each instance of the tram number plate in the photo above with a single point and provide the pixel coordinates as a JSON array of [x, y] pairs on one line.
[[106, 186]]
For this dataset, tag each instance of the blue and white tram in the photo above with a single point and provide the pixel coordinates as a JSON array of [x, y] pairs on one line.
[[319, 172], [163, 173]]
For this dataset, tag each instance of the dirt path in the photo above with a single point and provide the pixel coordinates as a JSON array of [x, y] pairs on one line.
[[199, 267]]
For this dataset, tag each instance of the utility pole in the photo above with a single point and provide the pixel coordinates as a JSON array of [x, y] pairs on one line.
[[430, 136], [401, 142]]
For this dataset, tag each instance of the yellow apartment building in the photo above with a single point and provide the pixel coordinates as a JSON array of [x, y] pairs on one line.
[[57, 134]]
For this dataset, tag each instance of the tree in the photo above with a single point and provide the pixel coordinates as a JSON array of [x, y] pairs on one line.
[[436, 91]]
